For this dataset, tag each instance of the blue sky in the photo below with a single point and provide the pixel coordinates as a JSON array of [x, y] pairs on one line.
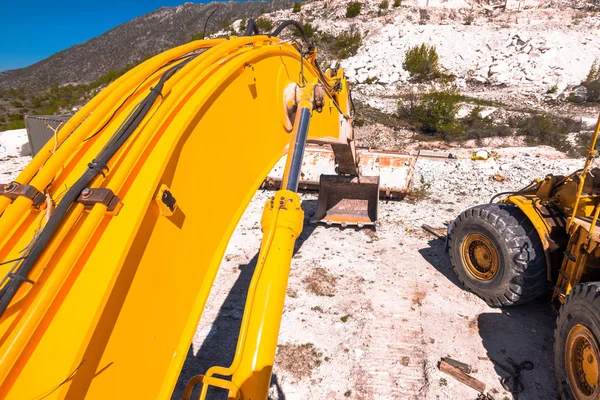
[[31, 30]]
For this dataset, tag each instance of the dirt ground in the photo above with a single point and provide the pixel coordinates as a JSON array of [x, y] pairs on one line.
[[369, 313]]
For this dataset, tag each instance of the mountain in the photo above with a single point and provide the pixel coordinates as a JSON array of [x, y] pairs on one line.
[[133, 41]]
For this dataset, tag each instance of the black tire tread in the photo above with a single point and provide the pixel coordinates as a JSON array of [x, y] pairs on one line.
[[528, 280]]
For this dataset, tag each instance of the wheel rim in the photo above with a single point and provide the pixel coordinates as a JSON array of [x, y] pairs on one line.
[[581, 361], [480, 256]]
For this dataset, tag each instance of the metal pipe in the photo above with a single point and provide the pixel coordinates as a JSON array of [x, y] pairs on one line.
[[588, 162], [290, 182]]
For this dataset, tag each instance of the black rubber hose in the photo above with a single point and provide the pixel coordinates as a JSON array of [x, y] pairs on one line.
[[96, 167], [251, 29], [526, 189], [291, 22], [501, 194], [322, 75]]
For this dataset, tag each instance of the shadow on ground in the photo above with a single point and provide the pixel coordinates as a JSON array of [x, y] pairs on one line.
[[523, 333], [219, 345], [437, 256]]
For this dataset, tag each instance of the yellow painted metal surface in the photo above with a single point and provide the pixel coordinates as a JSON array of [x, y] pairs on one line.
[[582, 210], [116, 298], [251, 368]]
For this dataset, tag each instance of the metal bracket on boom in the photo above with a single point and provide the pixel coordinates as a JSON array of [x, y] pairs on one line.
[[90, 197], [13, 190]]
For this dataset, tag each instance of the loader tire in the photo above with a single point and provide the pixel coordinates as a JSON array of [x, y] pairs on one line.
[[498, 255], [577, 344]]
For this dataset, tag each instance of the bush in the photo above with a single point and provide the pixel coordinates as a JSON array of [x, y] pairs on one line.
[[397, 3], [296, 7], [542, 129], [477, 127], [308, 29], [353, 9], [582, 145], [434, 113], [592, 82], [422, 62], [243, 25], [346, 44], [197, 36], [15, 121], [384, 5], [264, 24]]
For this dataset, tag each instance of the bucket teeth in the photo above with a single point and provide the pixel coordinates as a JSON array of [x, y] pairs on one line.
[[346, 200]]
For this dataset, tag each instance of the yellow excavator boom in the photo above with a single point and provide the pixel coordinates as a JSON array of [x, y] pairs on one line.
[[110, 239]]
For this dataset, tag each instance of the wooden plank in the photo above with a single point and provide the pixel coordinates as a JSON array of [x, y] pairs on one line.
[[462, 377]]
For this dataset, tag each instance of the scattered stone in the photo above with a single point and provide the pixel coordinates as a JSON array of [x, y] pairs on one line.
[[481, 155], [579, 95], [588, 123]]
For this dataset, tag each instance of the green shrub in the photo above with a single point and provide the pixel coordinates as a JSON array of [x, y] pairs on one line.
[[477, 127], [308, 29], [15, 121], [397, 3], [353, 9], [346, 44], [434, 113], [422, 62], [296, 7], [264, 24], [197, 36], [243, 25], [542, 129], [582, 145], [592, 82], [384, 5]]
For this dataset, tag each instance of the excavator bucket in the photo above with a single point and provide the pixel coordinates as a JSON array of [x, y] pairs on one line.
[[347, 200]]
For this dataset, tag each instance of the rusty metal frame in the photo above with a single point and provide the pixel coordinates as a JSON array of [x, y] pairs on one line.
[[89, 197]]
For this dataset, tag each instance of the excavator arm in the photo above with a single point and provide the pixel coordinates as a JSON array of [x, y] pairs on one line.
[[110, 239]]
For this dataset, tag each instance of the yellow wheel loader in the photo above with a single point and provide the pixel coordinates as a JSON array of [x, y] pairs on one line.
[[546, 234], [111, 237]]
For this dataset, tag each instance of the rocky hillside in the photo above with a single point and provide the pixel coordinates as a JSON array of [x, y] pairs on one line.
[[133, 41], [510, 73]]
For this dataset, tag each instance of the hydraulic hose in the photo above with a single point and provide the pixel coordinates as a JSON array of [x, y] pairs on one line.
[[95, 168], [251, 29], [288, 23], [531, 186]]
